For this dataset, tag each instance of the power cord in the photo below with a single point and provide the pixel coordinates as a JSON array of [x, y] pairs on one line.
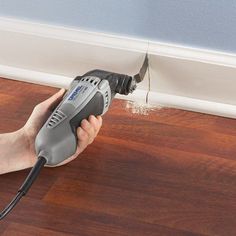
[[25, 186]]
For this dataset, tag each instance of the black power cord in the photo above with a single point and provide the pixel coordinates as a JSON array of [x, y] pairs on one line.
[[25, 186]]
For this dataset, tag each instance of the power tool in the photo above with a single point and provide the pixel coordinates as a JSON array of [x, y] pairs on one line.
[[90, 94]]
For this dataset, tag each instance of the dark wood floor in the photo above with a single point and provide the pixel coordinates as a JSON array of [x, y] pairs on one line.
[[171, 172]]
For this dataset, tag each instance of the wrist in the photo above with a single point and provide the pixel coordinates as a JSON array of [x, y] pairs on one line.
[[15, 152], [25, 157]]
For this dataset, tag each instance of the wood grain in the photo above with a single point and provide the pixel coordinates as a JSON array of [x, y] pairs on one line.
[[171, 172]]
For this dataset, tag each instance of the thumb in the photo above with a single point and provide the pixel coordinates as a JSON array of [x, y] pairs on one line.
[[54, 100]]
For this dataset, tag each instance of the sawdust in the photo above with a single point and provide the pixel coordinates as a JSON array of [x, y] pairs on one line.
[[140, 108]]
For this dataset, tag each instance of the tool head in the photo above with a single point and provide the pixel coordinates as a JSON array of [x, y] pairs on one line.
[[121, 83]]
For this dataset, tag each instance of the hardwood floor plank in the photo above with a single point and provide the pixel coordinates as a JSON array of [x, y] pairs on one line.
[[179, 117], [15, 229], [70, 220], [171, 136]]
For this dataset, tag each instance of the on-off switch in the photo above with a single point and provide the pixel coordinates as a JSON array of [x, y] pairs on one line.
[[103, 84]]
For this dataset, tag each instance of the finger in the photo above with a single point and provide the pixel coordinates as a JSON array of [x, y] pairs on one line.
[[54, 100], [96, 123], [86, 126], [100, 120], [83, 139]]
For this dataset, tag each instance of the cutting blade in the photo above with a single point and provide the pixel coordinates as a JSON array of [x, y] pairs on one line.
[[140, 76]]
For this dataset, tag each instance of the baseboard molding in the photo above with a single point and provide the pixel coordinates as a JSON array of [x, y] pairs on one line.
[[139, 95], [34, 76], [191, 104], [182, 77]]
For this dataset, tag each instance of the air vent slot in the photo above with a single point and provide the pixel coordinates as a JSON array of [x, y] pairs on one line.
[[57, 117], [91, 79], [106, 99]]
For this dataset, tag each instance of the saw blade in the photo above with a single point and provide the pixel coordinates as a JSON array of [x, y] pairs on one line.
[[140, 76]]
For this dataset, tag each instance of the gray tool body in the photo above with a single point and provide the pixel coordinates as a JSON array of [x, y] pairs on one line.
[[90, 94], [57, 139]]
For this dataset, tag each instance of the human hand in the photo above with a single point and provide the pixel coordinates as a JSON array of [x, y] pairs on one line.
[[86, 133]]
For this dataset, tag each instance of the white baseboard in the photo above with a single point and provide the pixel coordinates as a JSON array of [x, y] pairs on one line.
[[192, 104], [187, 78], [34, 76]]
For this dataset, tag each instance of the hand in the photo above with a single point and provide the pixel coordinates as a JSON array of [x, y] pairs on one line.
[[86, 133]]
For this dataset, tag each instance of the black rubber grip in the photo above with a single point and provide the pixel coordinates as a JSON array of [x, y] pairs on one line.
[[93, 107]]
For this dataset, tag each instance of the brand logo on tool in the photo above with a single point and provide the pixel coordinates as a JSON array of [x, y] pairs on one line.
[[75, 93]]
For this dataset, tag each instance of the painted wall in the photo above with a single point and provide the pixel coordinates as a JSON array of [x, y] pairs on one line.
[[207, 24]]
